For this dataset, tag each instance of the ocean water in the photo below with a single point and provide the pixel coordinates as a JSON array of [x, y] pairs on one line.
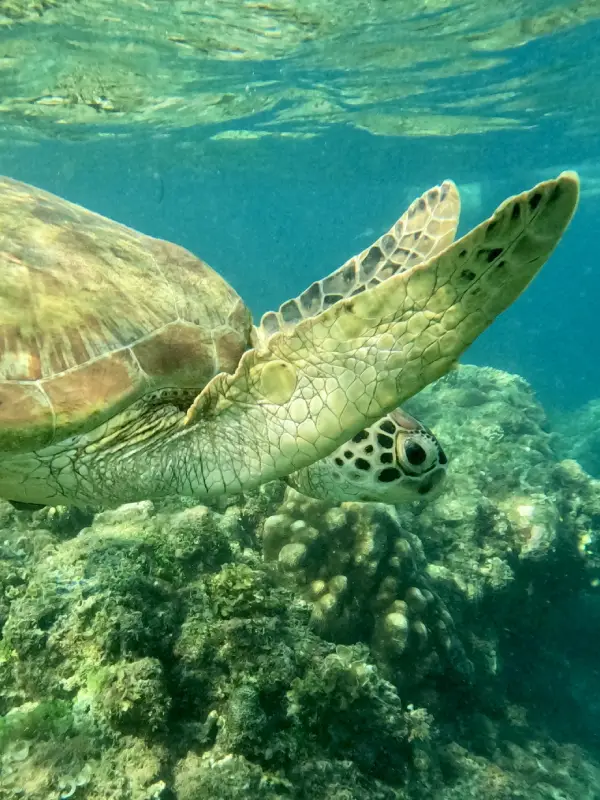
[[273, 228], [275, 140], [274, 210]]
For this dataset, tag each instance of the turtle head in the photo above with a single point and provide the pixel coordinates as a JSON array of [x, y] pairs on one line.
[[396, 460]]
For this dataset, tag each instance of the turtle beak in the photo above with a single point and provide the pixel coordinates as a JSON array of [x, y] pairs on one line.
[[432, 484]]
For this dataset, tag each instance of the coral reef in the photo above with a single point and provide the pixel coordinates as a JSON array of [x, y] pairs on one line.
[[577, 436], [365, 578], [509, 503], [276, 646], [143, 639]]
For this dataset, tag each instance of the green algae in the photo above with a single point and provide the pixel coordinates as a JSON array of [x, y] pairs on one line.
[[51, 719]]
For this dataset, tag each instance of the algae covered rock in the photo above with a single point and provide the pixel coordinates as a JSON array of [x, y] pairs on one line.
[[508, 501], [85, 651], [152, 637]]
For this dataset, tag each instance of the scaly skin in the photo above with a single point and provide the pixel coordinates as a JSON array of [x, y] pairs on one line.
[[427, 227], [307, 390], [396, 460]]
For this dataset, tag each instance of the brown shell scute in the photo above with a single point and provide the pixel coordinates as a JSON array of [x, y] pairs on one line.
[[26, 417], [179, 354], [94, 315], [83, 395]]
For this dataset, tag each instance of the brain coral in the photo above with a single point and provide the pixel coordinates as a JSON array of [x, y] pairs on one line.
[[365, 579]]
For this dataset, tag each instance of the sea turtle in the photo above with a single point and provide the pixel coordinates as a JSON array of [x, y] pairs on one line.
[[129, 369]]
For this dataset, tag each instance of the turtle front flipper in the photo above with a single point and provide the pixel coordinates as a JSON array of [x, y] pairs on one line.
[[427, 226], [309, 389], [425, 229]]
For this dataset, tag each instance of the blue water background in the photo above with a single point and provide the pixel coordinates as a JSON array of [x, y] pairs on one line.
[[277, 223]]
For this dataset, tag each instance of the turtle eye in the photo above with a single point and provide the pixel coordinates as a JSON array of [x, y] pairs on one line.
[[417, 453]]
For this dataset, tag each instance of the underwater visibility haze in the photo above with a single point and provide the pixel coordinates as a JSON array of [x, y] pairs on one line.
[[200, 596]]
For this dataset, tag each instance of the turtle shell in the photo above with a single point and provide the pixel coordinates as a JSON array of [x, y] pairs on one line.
[[93, 316]]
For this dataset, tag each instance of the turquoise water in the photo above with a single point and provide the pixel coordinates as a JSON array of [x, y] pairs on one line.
[[275, 213], [272, 230]]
